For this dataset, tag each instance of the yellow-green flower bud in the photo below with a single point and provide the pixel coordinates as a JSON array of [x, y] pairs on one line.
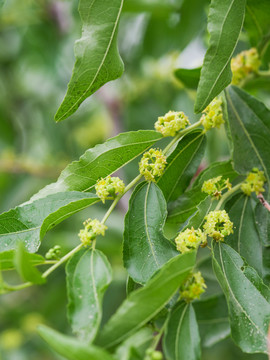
[[171, 123], [212, 117], [109, 187], [92, 228], [153, 355], [152, 164], [189, 240], [53, 253], [245, 63], [193, 287], [215, 186], [254, 182], [218, 225]]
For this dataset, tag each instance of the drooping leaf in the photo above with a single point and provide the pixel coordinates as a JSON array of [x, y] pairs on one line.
[[29, 222], [101, 161], [146, 249], [143, 304], [97, 57], [225, 22], [88, 276], [181, 209], [249, 120], [182, 338], [71, 348], [247, 297], [7, 259], [25, 268], [182, 164], [188, 77], [213, 319], [257, 22], [245, 239]]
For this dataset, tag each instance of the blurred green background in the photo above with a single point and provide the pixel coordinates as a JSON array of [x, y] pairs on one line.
[[36, 60]]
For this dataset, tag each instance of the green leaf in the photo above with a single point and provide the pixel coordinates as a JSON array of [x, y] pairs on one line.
[[188, 77], [7, 257], [29, 222], [203, 209], [249, 120], [101, 161], [245, 239], [97, 57], [181, 209], [88, 276], [213, 319], [257, 22], [141, 340], [25, 268], [225, 22], [247, 297], [182, 164], [145, 247], [71, 348], [143, 304], [182, 338]]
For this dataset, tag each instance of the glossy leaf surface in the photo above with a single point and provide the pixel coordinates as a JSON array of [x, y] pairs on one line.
[[146, 249], [182, 338], [97, 57], [143, 304], [225, 22], [247, 297], [88, 276]]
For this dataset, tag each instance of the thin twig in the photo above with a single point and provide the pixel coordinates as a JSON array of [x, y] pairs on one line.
[[263, 201]]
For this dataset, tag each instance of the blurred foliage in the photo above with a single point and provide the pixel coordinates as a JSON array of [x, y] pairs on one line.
[[36, 59]]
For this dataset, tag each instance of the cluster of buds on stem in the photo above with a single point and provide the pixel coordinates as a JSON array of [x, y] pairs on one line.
[[215, 186], [189, 240], [218, 225], [92, 228], [212, 115], [109, 187], [152, 354], [53, 253], [244, 64], [152, 164], [254, 182], [171, 123], [193, 287]]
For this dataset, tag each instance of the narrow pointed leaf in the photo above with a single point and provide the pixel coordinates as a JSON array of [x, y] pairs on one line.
[[101, 161], [182, 338], [29, 222], [88, 276], [213, 319], [71, 348], [25, 268], [247, 297], [97, 57], [143, 304], [225, 23], [145, 247], [182, 164]]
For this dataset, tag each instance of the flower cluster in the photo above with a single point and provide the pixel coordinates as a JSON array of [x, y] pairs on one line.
[[215, 186], [92, 228], [171, 123], [153, 355], [189, 240], [53, 253], [245, 63], [193, 287], [254, 182], [152, 164], [212, 117], [218, 225], [109, 187]]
